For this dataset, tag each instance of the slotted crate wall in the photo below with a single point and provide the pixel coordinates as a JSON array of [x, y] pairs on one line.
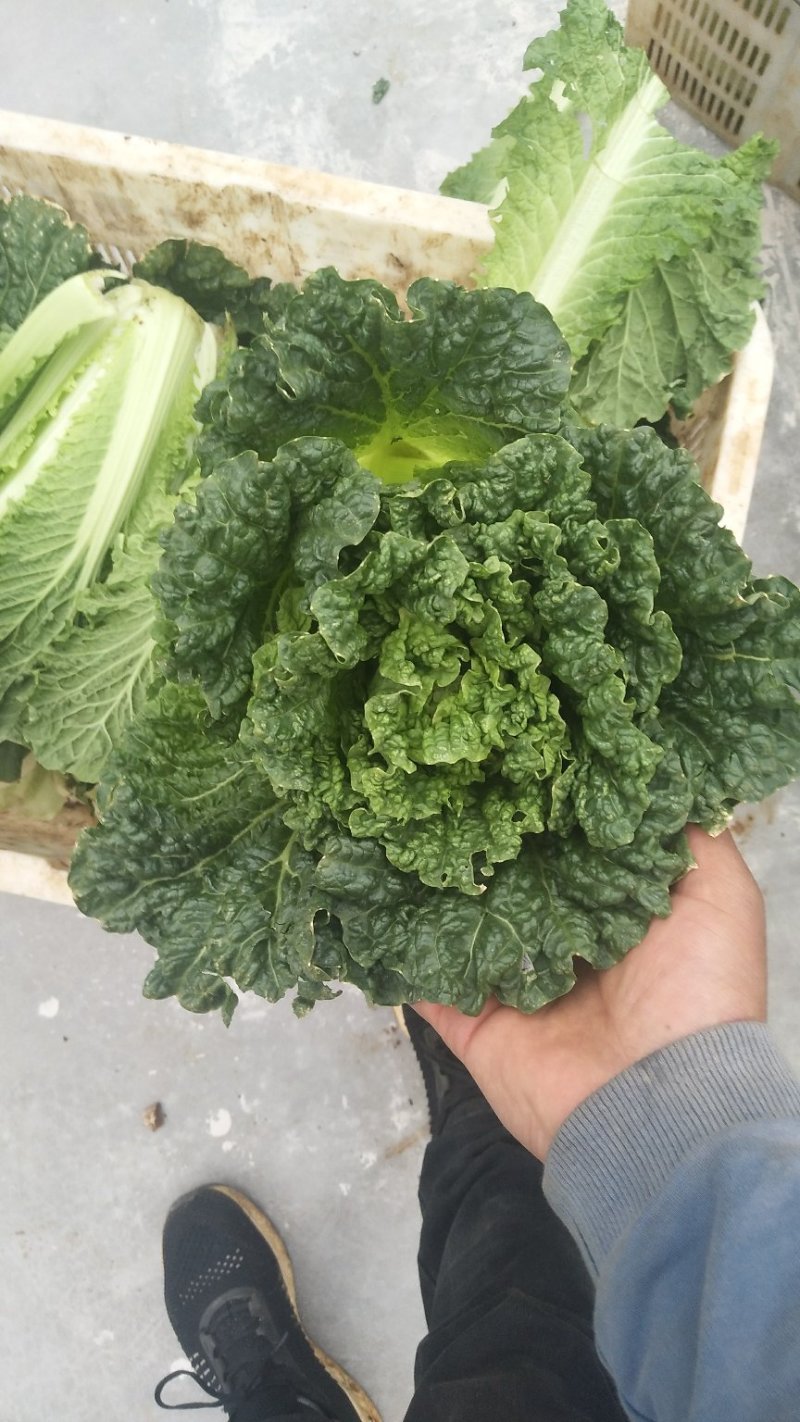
[[733, 63]]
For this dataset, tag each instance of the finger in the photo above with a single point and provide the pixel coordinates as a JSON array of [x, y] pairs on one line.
[[710, 849], [721, 874]]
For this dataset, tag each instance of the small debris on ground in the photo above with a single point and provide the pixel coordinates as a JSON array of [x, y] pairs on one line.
[[153, 1116], [379, 90]]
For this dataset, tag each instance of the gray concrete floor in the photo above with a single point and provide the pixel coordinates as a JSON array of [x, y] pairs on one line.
[[322, 1120]]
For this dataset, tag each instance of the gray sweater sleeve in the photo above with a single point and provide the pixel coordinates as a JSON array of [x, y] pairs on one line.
[[680, 1180]]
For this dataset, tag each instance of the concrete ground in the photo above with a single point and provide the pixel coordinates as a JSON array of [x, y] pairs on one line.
[[322, 1120]]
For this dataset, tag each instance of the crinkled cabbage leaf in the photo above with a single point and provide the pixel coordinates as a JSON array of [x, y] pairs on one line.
[[439, 738]]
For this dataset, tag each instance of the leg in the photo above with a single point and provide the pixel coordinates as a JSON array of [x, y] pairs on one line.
[[507, 1298]]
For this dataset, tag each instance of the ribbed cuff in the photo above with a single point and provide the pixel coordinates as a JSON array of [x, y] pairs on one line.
[[615, 1152]]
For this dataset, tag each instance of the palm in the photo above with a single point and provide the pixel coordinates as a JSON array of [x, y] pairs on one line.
[[701, 966]]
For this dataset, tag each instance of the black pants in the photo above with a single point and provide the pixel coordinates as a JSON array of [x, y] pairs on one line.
[[507, 1298]]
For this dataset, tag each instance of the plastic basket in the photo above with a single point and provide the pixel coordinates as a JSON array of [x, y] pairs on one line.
[[735, 64], [285, 222]]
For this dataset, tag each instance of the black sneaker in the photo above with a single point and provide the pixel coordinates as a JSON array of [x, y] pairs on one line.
[[447, 1081], [230, 1296]]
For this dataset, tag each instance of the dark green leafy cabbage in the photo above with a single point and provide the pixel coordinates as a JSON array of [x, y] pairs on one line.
[[454, 691], [438, 739], [469, 372], [39, 249], [216, 287]]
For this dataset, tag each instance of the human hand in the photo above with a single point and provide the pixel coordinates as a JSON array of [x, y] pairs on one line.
[[702, 966]]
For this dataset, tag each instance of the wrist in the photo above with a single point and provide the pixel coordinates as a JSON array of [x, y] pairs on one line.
[[615, 1150], [607, 1065]]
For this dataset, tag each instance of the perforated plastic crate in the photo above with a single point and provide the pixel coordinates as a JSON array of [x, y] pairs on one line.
[[733, 63]]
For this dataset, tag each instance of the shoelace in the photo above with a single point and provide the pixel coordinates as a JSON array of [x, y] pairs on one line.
[[296, 1400], [245, 1372], [184, 1406], [245, 1365]]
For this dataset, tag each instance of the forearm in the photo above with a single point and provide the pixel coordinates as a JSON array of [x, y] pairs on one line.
[[680, 1179]]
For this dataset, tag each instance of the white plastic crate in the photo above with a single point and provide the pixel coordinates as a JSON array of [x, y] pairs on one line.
[[735, 64], [285, 223]]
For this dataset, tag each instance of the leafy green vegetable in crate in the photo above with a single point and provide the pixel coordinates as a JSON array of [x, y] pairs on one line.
[[218, 289], [39, 248], [644, 250], [98, 381], [469, 372], [437, 738]]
